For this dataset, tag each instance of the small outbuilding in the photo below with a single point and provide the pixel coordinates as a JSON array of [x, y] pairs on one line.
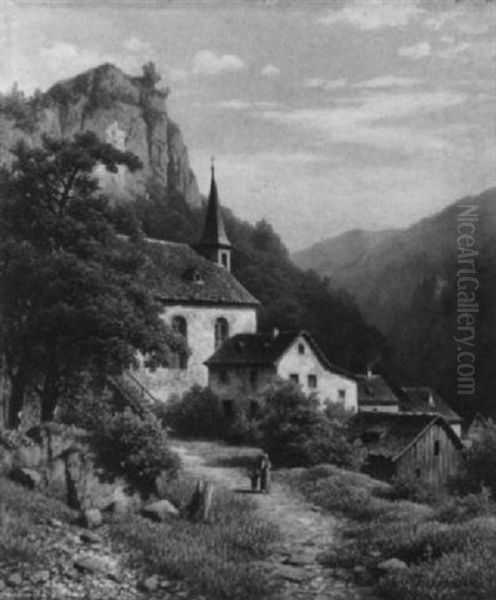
[[407, 446], [247, 364]]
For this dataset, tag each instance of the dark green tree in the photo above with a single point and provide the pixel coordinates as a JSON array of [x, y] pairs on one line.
[[72, 299]]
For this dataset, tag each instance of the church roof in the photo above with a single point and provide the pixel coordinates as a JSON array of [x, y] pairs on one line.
[[179, 274], [214, 232], [426, 400], [389, 435], [265, 349]]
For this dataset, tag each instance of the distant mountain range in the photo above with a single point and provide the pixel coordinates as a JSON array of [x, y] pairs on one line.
[[405, 283]]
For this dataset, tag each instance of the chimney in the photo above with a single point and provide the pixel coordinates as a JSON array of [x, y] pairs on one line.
[[275, 332], [431, 398], [369, 372]]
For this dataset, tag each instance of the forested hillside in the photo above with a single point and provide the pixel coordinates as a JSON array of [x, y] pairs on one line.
[[406, 285]]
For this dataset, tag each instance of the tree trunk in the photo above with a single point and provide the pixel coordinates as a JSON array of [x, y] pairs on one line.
[[201, 502], [49, 399], [16, 402]]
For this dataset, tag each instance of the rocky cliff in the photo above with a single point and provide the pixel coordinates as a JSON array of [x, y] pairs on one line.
[[129, 112]]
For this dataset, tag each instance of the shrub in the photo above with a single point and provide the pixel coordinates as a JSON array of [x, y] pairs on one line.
[[404, 488], [456, 509], [198, 413], [136, 447], [296, 433], [478, 468]]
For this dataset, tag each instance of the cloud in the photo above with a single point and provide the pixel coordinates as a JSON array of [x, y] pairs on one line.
[[470, 20], [388, 81], [270, 71], [420, 50], [453, 50], [137, 46], [207, 62], [373, 14], [234, 104], [324, 84], [364, 123]]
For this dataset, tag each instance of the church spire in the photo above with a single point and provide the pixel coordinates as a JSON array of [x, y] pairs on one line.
[[214, 243]]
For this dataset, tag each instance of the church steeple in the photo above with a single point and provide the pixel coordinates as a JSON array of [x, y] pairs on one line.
[[214, 243]]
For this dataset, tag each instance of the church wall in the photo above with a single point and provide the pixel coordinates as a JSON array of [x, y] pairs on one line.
[[305, 364], [162, 382]]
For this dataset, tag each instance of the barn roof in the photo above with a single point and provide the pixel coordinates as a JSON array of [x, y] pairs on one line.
[[179, 274], [426, 400], [263, 349], [374, 390], [389, 435]]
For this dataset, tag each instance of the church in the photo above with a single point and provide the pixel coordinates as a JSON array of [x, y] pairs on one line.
[[202, 301]]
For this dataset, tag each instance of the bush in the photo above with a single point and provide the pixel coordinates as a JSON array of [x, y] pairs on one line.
[[296, 433], [456, 509], [478, 468], [137, 448], [198, 413]]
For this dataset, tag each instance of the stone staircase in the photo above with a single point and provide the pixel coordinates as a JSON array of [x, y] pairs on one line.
[[132, 393]]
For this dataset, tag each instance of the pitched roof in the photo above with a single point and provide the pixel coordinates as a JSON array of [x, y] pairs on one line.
[[426, 400], [179, 274], [264, 349], [374, 390], [390, 435], [214, 232]]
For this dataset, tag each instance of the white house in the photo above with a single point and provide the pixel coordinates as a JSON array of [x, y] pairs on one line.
[[246, 364]]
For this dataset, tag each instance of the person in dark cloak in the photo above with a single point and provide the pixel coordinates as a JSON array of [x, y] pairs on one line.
[[264, 467]]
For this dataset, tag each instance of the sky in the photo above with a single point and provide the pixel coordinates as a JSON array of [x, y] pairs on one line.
[[322, 116]]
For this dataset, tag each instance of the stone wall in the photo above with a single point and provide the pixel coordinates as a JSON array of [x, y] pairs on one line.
[[329, 384], [162, 383]]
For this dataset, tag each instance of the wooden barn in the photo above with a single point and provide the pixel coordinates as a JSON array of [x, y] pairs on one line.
[[407, 446]]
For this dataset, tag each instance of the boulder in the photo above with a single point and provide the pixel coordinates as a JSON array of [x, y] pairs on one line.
[[97, 564], [14, 580], [39, 577], [392, 565], [89, 537], [92, 518], [150, 584], [27, 477], [161, 510]]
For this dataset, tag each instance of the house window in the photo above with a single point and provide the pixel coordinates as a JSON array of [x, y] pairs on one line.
[[294, 377], [223, 376], [312, 381], [179, 359], [341, 394], [301, 348], [221, 332], [437, 448]]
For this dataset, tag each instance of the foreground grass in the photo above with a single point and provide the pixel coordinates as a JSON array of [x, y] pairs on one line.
[[450, 547], [21, 512], [216, 558]]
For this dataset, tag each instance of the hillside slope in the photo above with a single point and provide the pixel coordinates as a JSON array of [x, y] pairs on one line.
[[405, 284]]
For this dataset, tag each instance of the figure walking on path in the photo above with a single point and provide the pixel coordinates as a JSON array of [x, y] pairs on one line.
[[264, 467]]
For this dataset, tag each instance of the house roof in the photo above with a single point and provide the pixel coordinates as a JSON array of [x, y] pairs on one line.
[[179, 274], [426, 400], [374, 390], [263, 349], [390, 435]]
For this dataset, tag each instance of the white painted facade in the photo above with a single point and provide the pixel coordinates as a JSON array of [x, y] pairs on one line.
[[200, 319]]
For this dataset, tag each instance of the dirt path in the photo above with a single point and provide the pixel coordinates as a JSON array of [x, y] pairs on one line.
[[306, 532]]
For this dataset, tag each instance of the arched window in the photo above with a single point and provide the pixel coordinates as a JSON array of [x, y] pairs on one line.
[[221, 331], [180, 327]]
